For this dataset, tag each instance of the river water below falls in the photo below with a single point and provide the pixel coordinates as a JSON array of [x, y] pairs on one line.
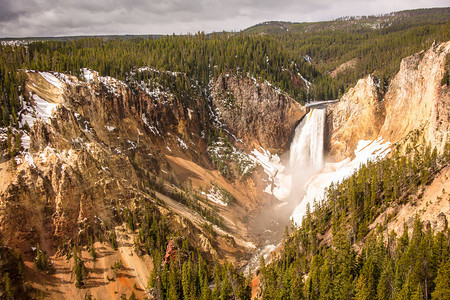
[[301, 176]]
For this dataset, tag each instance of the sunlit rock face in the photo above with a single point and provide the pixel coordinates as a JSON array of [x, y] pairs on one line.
[[418, 100], [358, 115]]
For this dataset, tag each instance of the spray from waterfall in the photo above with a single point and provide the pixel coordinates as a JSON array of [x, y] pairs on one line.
[[302, 177], [305, 156], [289, 179]]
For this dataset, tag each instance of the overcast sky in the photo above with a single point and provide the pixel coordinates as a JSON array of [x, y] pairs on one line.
[[21, 18]]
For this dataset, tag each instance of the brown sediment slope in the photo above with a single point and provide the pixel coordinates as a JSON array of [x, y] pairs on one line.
[[108, 149]]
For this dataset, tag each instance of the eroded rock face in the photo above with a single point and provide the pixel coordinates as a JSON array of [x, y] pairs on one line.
[[90, 159], [107, 147], [256, 113], [416, 99], [358, 115], [441, 223]]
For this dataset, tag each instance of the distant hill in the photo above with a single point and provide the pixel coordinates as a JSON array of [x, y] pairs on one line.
[[26, 40], [357, 24], [350, 48]]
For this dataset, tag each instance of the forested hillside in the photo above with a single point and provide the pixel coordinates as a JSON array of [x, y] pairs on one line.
[[320, 260], [199, 57], [360, 45], [308, 51]]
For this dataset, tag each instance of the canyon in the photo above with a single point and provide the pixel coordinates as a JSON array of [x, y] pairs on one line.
[[230, 172]]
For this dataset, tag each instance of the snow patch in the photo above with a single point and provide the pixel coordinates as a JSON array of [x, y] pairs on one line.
[[64, 78], [88, 75], [143, 69], [133, 145], [307, 58], [26, 141], [215, 195], [44, 109], [152, 128], [3, 134], [271, 163], [112, 84], [52, 79], [41, 109], [307, 83], [29, 158], [182, 143]]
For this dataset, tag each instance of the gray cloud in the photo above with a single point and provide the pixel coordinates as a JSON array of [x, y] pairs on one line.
[[58, 17]]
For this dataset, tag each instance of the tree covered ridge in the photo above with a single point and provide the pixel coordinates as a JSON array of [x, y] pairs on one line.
[[199, 57], [281, 58], [310, 266], [376, 43], [405, 18]]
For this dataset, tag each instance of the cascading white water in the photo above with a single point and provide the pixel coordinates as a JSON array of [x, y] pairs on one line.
[[289, 179], [305, 158], [303, 176], [307, 146]]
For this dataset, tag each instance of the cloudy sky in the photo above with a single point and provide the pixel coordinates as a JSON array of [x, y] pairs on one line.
[[21, 18]]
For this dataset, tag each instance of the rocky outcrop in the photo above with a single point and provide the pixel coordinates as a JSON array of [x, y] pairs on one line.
[[417, 100], [91, 158], [358, 115], [441, 223], [257, 114], [110, 145]]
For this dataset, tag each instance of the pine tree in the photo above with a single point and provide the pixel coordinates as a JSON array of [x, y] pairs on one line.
[[442, 282], [186, 280], [385, 286], [132, 296], [8, 288], [79, 269], [366, 284], [40, 260]]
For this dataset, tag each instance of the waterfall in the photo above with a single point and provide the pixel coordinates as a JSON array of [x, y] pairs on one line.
[[305, 157], [301, 177], [288, 179], [307, 146]]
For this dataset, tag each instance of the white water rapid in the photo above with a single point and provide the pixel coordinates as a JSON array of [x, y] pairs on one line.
[[305, 156], [302, 177]]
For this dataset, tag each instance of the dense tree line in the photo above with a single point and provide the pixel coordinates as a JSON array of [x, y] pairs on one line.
[[405, 267], [12, 85], [201, 57], [378, 51], [186, 275], [180, 271], [311, 266]]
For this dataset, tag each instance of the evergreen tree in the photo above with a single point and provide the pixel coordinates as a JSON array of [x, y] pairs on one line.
[[442, 282]]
